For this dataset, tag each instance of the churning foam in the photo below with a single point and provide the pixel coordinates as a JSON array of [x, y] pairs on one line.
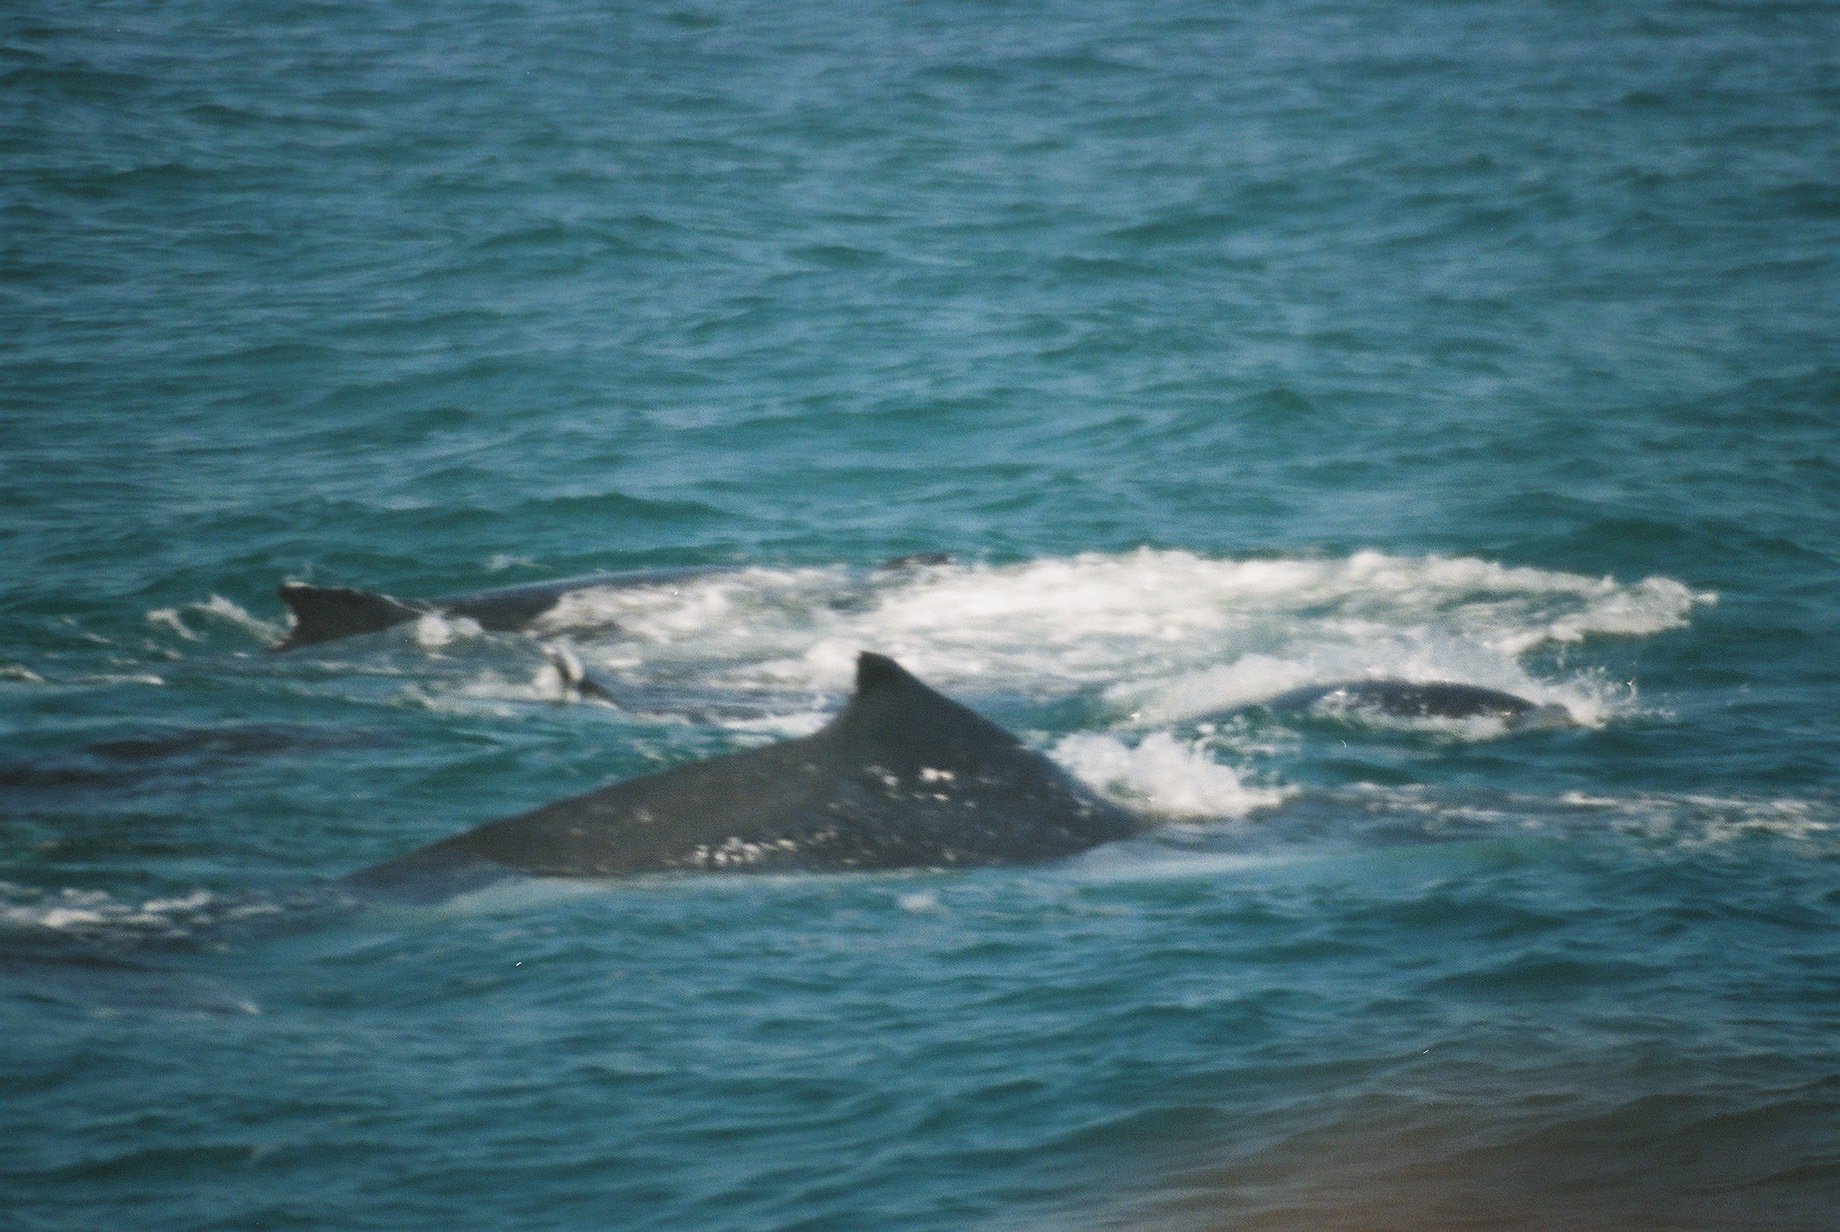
[[1161, 635], [1163, 775]]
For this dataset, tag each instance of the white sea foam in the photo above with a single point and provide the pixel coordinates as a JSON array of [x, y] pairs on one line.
[[781, 726], [1163, 775], [1162, 635], [489, 692], [432, 630]]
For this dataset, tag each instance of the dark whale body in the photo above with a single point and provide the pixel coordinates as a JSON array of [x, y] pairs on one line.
[[326, 613], [1406, 699], [902, 777]]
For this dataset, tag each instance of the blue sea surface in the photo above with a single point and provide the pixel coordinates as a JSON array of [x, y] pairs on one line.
[[1225, 349]]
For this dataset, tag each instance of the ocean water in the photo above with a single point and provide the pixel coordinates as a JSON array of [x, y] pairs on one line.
[[1224, 348]]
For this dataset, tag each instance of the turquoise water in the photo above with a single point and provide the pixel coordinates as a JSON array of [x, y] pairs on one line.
[[1226, 349]]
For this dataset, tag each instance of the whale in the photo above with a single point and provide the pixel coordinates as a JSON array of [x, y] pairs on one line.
[[1409, 699], [902, 777], [328, 613]]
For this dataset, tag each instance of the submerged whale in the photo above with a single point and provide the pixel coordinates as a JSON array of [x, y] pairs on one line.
[[1407, 699], [902, 777], [327, 613]]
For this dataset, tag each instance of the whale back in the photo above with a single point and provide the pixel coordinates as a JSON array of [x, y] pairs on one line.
[[902, 777], [326, 613], [1406, 699]]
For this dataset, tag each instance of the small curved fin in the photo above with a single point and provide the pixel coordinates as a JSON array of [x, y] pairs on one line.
[[323, 613], [568, 666], [578, 679]]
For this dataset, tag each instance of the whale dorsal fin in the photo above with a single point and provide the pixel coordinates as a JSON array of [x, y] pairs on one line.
[[877, 673], [906, 724], [322, 613], [881, 684]]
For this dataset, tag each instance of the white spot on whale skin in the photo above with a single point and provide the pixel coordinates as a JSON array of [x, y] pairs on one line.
[[740, 853]]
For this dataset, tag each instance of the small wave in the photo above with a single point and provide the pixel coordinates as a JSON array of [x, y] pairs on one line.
[[168, 617], [1684, 820], [111, 986], [191, 621], [98, 916], [110, 678], [1698, 820]]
